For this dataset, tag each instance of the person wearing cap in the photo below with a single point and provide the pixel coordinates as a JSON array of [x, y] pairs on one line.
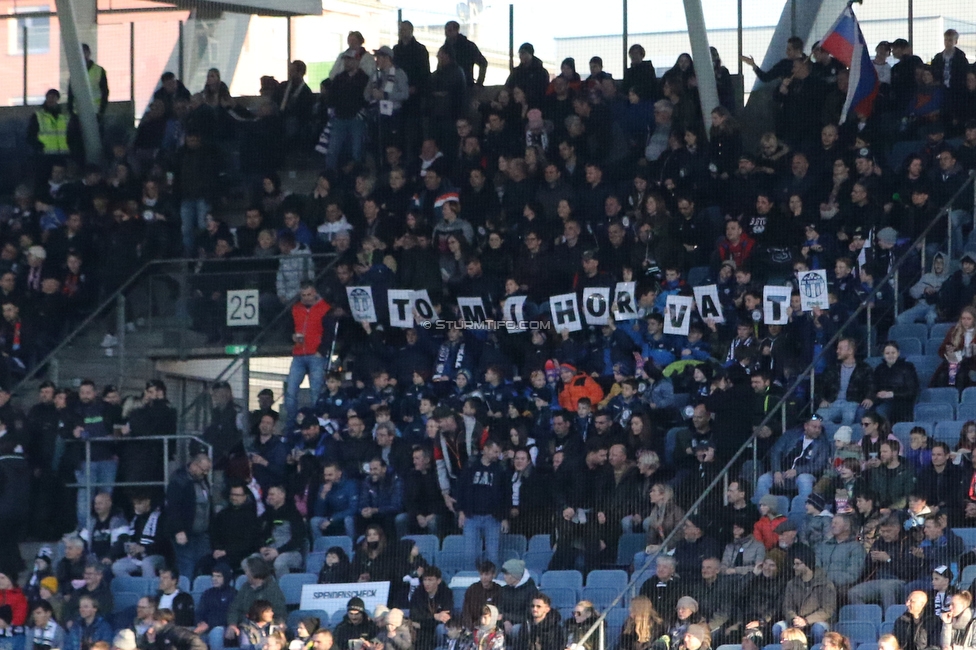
[[810, 599], [816, 520], [575, 385], [796, 460], [347, 98], [694, 546], [529, 75], [355, 625], [387, 90], [888, 566], [516, 594]]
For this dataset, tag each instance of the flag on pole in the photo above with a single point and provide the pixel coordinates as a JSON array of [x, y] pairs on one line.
[[845, 42]]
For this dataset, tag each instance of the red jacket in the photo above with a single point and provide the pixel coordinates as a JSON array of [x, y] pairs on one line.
[[764, 531], [581, 385], [18, 604], [308, 321]]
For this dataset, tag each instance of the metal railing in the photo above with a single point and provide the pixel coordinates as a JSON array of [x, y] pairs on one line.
[[752, 443], [181, 458], [182, 277]]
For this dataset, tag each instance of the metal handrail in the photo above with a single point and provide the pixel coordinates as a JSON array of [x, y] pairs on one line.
[[751, 442], [103, 307], [246, 352], [88, 485]]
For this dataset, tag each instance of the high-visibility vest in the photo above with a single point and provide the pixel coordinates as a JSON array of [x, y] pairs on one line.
[[53, 132], [95, 83]]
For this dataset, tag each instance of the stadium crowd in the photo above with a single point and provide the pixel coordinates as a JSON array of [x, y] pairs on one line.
[[585, 440]]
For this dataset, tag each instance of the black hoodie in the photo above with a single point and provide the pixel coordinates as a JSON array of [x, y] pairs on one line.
[[346, 631]]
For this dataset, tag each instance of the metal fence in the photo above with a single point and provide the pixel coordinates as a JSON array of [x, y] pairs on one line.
[[135, 43]]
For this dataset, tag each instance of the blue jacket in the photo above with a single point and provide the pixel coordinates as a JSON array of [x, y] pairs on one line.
[[342, 501], [387, 495], [814, 459], [275, 451], [662, 351], [81, 634], [213, 606]]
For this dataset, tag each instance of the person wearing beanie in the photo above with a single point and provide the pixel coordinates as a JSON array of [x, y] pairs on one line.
[[764, 529], [124, 640], [215, 602], [810, 599], [356, 624], [575, 385], [394, 633], [516, 594], [816, 520], [686, 615]]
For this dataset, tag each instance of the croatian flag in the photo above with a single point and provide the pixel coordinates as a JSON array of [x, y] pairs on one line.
[[845, 42]]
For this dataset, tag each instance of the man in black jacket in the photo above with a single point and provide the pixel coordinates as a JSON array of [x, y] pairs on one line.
[[853, 375], [412, 57], [542, 631], [949, 68], [141, 548], [914, 629], [284, 532], [356, 624], [431, 607], [170, 597], [529, 75], [466, 53], [943, 484], [423, 503], [188, 513], [347, 98], [234, 531], [164, 635]]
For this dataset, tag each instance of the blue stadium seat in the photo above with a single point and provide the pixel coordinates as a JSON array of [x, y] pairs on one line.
[[670, 441], [967, 576], [540, 543], [453, 561], [893, 612], [910, 346], [291, 585], [968, 395], [866, 613], [902, 429], [516, 543], [314, 563], [239, 582], [612, 579], [537, 560], [428, 545], [565, 579], [939, 330], [296, 616], [628, 545], [601, 597], [132, 584], [932, 346], [562, 596], [945, 395], [858, 631], [868, 646], [202, 583], [458, 597], [934, 412], [337, 617], [966, 412], [947, 431], [874, 362], [888, 627], [730, 646], [773, 646], [325, 543], [616, 617], [127, 599], [925, 367], [918, 331], [968, 536], [453, 543]]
